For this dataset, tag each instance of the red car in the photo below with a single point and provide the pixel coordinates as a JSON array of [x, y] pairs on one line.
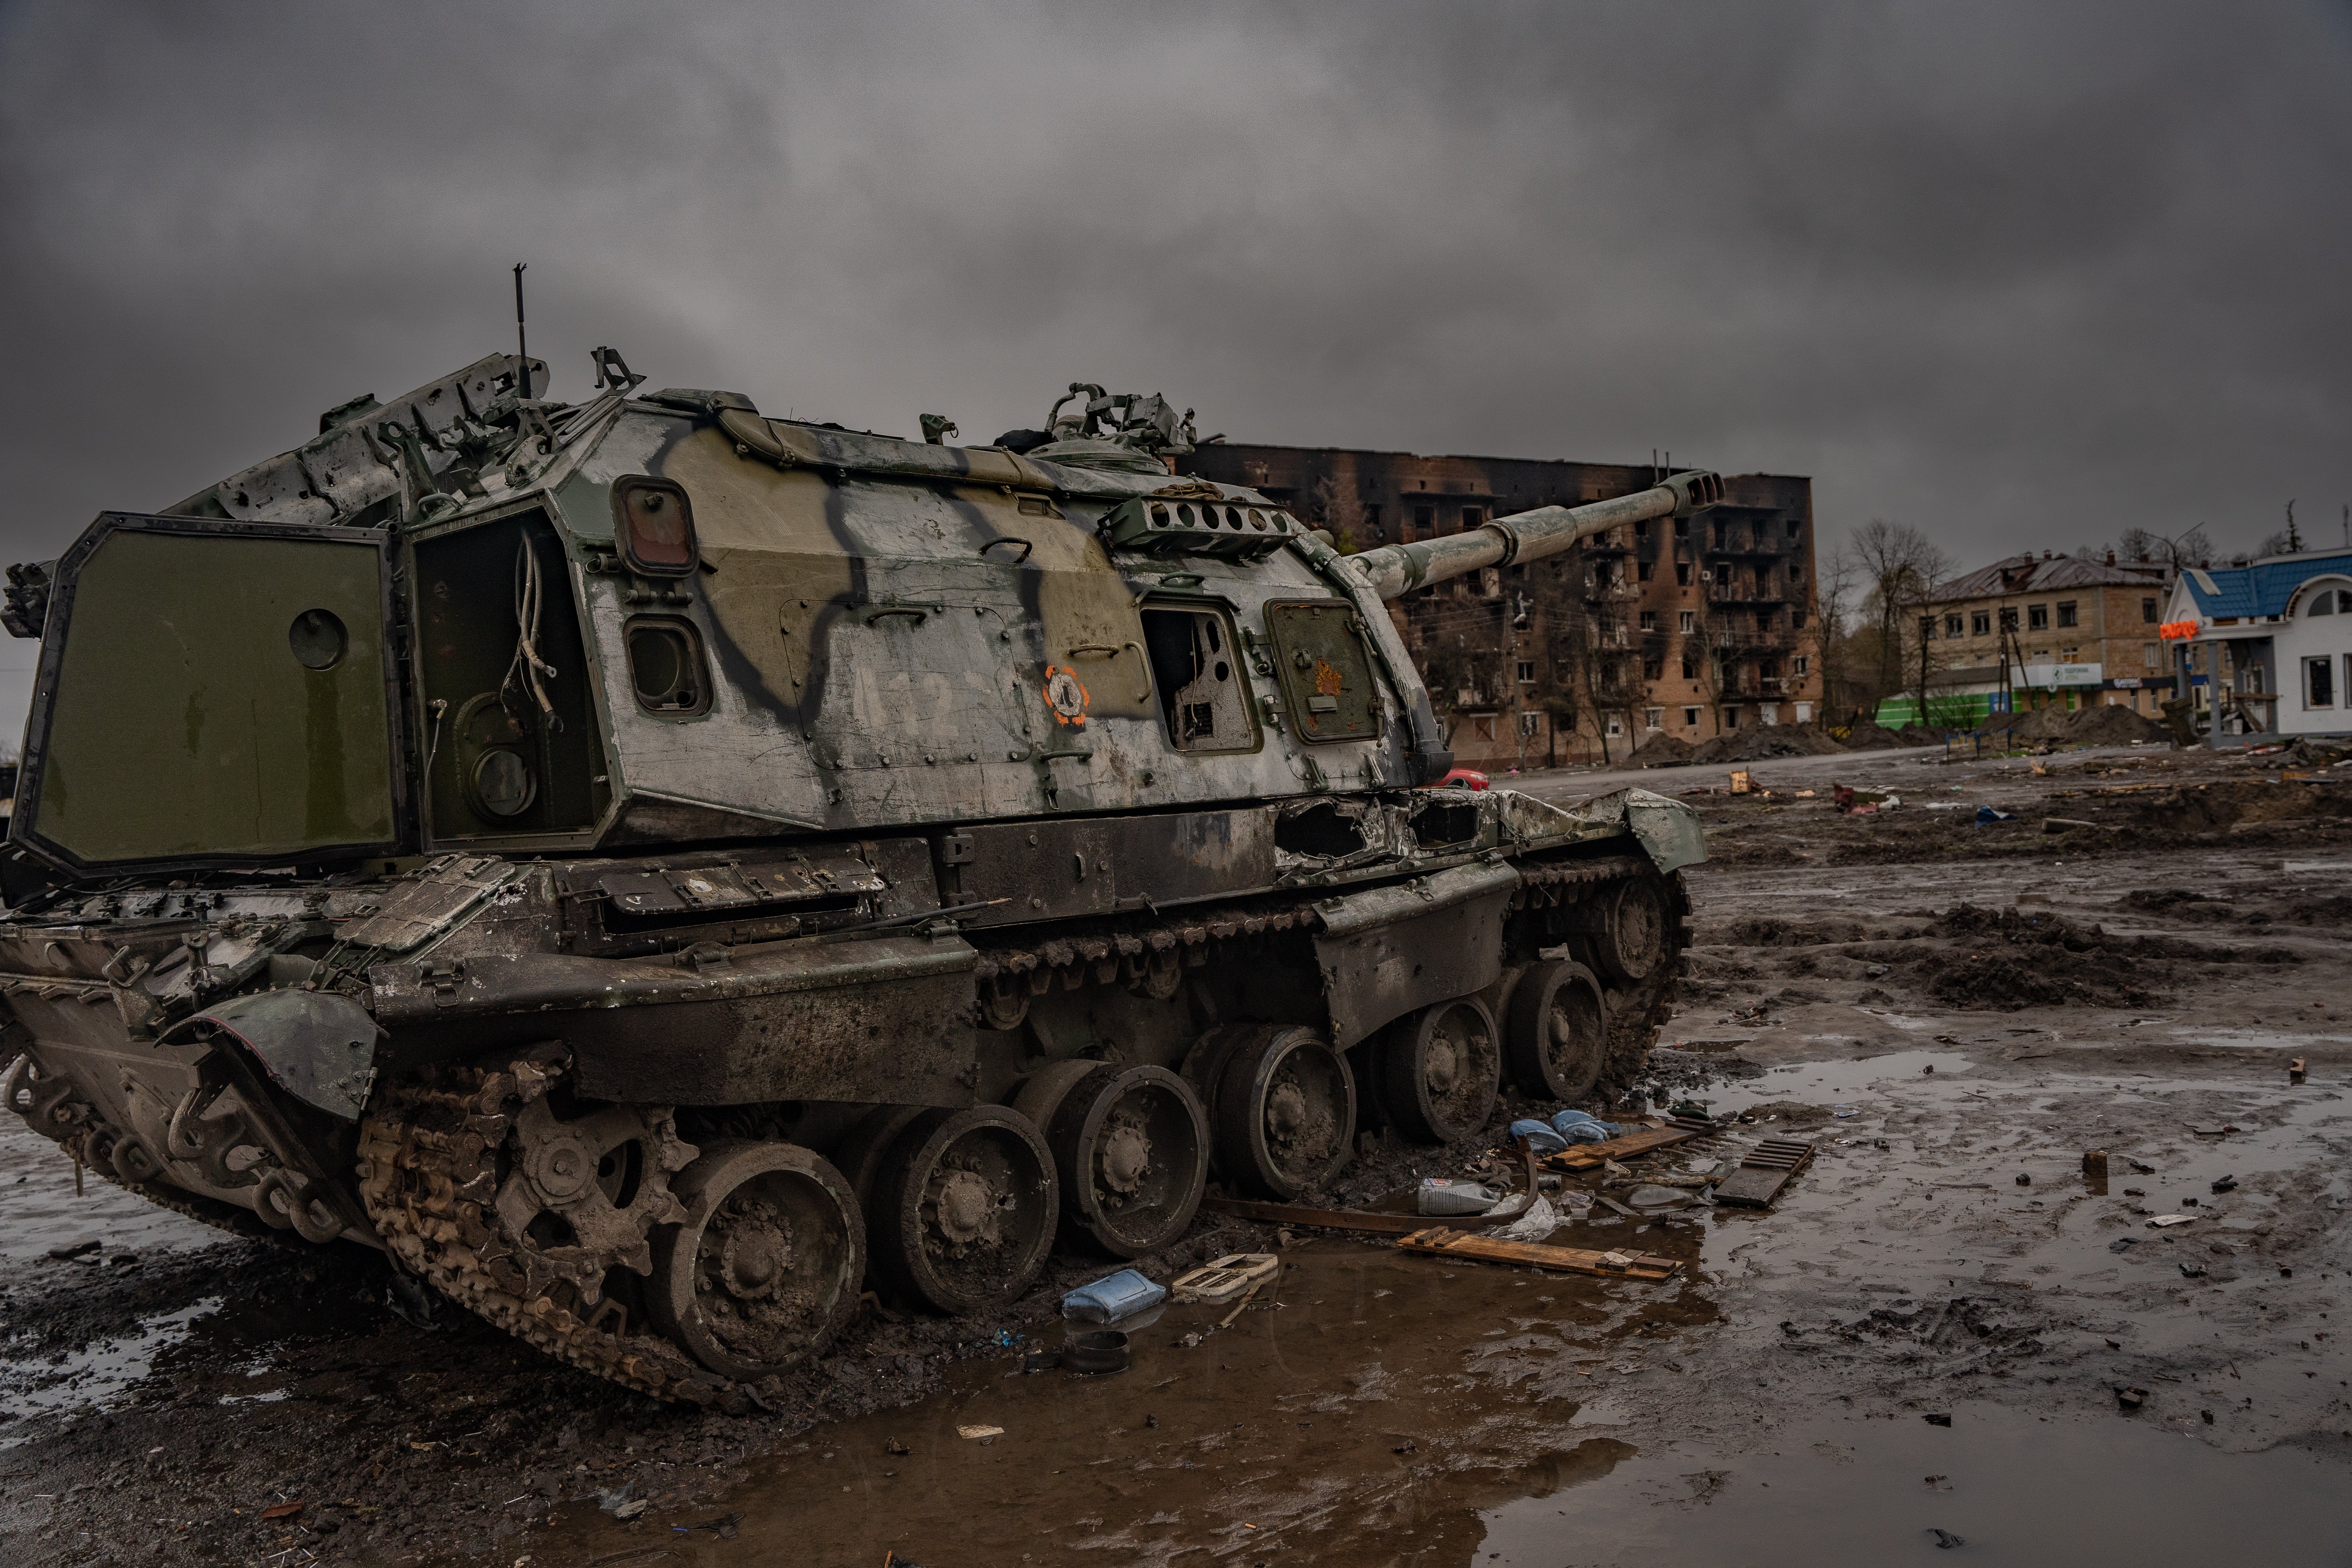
[[1462, 778]]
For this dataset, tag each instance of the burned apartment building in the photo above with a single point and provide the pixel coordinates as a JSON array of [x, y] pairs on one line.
[[1686, 627]]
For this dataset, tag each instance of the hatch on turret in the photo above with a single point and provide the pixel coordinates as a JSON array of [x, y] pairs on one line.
[[213, 692]]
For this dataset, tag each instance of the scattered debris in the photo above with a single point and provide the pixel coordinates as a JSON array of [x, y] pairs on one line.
[[1938, 1418], [2123, 1243], [1041, 1361], [2295, 1070], [1449, 1195], [282, 1510], [81, 1248], [1093, 1354], [2024, 1179], [1113, 1297], [2166, 1221], [1227, 1277], [1768, 1167], [2095, 1162], [980, 1431], [2226, 1184], [2131, 1399], [1945, 1538], [1440, 1241]]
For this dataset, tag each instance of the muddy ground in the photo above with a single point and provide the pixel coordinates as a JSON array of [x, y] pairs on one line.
[[1943, 1008]]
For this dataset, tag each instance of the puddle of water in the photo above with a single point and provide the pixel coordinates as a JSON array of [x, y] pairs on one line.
[[37, 1195], [2015, 1489], [1379, 1411], [89, 1379]]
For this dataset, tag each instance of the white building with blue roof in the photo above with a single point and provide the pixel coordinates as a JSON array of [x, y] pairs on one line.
[[2274, 637]]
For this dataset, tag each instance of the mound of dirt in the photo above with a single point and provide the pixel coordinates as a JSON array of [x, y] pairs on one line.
[[1660, 751], [2204, 807], [1867, 735], [2004, 960], [1766, 930], [2112, 725], [1765, 742]]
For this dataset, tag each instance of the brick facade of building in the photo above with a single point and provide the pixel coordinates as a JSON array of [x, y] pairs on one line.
[[1688, 628], [2083, 631]]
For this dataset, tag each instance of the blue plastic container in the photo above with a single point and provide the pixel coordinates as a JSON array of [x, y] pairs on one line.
[[1122, 1295]]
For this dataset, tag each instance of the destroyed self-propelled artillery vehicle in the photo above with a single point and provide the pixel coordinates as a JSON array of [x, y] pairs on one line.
[[646, 866]]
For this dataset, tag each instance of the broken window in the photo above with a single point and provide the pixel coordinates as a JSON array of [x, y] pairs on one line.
[[1642, 571], [1202, 698], [1649, 620], [1690, 717], [1682, 572], [1372, 525], [2318, 683], [1530, 724], [1616, 725], [1797, 619], [2037, 618], [2148, 611], [1484, 727], [1472, 517], [1527, 672], [1802, 664], [1689, 622], [2066, 613], [2147, 655], [1652, 668], [1654, 718], [1980, 623], [1951, 625], [1690, 667]]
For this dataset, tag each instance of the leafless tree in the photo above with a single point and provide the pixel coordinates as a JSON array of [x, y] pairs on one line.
[[1833, 619], [1896, 567]]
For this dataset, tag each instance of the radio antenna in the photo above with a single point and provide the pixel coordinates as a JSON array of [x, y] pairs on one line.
[[523, 344]]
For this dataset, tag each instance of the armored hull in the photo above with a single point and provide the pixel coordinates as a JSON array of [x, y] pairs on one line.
[[656, 870]]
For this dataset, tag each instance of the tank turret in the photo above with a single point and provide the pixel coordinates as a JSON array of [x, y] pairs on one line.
[[656, 870]]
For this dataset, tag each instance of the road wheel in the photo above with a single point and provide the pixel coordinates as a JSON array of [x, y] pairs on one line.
[[1555, 1033], [1632, 941], [1130, 1146], [766, 1267], [964, 1208], [1285, 1112], [1440, 1069]]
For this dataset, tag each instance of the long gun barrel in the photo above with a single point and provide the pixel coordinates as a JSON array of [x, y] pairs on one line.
[[1395, 569]]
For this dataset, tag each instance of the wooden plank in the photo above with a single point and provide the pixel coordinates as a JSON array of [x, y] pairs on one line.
[[1590, 1156], [1443, 1243]]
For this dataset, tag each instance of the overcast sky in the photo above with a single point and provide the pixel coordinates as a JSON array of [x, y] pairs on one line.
[[2022, 275]]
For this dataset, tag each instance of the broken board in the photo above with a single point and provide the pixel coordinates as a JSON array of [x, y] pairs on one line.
[[1768, 1167], [1438, 1241], [1592, 1156]]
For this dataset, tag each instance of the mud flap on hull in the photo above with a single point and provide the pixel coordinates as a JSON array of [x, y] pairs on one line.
[[1389, 951]]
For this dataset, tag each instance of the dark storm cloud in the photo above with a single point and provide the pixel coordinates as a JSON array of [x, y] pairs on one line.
[[2022, 275]]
